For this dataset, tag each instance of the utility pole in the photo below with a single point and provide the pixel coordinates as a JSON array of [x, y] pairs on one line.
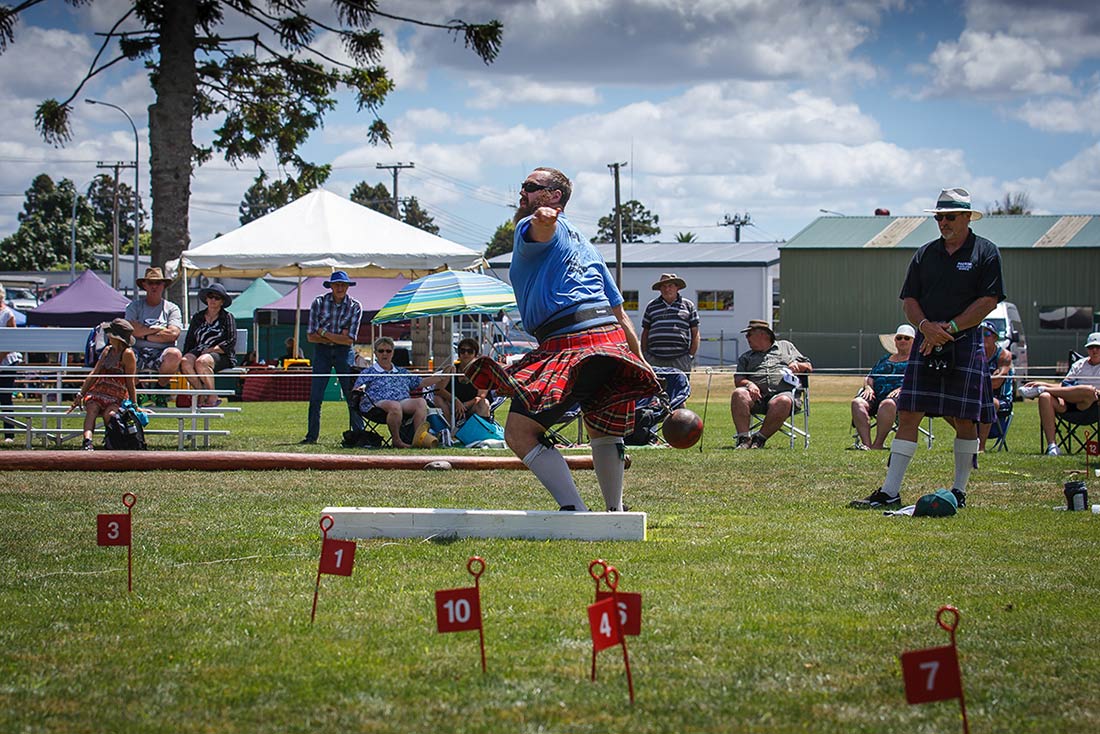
[[618, 227], [114, 219], [737, 221], [396, 167]]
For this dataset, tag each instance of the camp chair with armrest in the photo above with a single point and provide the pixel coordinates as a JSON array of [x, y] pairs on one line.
[[790, 427], [1074, 427]]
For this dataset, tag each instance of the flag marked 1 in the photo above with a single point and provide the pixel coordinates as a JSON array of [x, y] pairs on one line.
[[459, 610], [337, 559], [117, 530], [933, 674]]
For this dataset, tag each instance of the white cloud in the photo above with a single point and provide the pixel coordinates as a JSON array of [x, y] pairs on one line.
[[492, 93], [997, 64], [1063, 115]]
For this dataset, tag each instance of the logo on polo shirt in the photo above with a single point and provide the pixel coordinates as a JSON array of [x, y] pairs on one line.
[[965, 265]]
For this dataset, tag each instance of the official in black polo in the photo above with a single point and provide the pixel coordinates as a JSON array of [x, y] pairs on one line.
[[952, 284], [670, 326]]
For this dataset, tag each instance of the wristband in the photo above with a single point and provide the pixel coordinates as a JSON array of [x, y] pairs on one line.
[[954, 326]]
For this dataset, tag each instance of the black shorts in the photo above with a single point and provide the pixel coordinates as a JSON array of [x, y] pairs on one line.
[[594, 374]]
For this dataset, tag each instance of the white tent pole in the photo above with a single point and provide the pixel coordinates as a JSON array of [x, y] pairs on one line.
[[297, 315], [186, 300]]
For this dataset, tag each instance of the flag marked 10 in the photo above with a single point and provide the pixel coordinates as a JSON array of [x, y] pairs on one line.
[[933, 674], [606, 617], [116, 530], [337, 559], [459, 610]]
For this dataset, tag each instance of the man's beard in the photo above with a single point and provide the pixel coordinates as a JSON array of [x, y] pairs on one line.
[[523, 210]]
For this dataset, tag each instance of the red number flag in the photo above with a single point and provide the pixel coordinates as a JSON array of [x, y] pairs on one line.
[[603, 621], [112, 529], [931, 674], [337, 557], [457, 610], [630, 610], [1092, 448]]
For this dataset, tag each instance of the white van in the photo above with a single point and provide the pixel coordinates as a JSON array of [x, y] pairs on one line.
[[1006, 318]]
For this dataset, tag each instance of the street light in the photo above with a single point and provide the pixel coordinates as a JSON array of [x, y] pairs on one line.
[[829, 211], [137, 195]]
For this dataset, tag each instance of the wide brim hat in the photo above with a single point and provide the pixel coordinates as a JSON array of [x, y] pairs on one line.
[[669, 278], [887, 340], [758, 324], [152, 274], [121, 329], [220, 290], [338, 277], [955, 200], [1093, 340]]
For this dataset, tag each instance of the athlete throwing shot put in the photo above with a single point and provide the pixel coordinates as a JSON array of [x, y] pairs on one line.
[[588, 350]]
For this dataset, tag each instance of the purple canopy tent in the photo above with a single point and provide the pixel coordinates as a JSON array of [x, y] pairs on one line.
[[87, 301]]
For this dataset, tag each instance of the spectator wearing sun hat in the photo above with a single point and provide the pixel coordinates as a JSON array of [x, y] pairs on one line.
[[764, 384], [879, 393], [157, 325], [333, 325], [952, 284], [211, 342], [670, 326], [1078, 393]]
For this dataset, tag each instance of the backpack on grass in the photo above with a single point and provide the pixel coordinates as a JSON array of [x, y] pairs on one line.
[[124, 431]]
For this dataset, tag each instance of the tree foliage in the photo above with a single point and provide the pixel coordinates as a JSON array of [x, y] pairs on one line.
[[101, 197], [270, 83], [1015, 202], [502, 241], [262, 197], [685, 237], [638, 222], [378, 198], [44, 238]]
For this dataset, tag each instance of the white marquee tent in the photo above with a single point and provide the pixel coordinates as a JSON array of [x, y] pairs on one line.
[[322, 232]]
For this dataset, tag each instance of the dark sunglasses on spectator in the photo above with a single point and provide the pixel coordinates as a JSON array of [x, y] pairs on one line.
[[383, 351], [531, 187], [214, 295], [466, 350], [948, 217], [903, 338]]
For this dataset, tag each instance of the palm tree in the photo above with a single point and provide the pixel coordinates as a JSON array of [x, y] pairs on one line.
[[1015, 202], [685, 236]]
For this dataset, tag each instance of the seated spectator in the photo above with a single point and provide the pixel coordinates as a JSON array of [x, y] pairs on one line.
[[111, 381], [1001, 371], [879, 393], [211, 343], [7, 359], [290, 353], [387, 398], [765, 381], [1079, 391], [467, 398], [157, 324]]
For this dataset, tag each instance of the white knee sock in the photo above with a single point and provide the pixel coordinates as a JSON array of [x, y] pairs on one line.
[[608, 458], [965, 451], [549, 466], [901, 453]]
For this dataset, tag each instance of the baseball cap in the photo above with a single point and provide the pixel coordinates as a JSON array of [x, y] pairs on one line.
[[941, 503]]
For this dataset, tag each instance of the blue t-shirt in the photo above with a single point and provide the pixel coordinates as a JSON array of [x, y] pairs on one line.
[[886, 376], [556, 278]]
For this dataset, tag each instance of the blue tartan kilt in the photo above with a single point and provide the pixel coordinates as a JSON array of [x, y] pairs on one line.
[[966, 392]]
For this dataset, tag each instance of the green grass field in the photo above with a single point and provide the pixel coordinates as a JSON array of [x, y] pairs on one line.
[[769, 606]]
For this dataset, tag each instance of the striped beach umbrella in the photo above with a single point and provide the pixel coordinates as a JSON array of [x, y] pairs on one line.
[[450, 292]]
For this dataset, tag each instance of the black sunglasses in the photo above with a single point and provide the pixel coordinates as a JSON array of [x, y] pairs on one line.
[[531, 187], [383, 351], [903, 338], [466, 350], [948, 217]]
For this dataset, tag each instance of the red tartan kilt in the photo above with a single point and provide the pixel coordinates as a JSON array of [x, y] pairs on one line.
[[544, 378]]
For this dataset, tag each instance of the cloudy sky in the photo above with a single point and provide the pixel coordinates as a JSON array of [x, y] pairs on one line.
[[778, 109]]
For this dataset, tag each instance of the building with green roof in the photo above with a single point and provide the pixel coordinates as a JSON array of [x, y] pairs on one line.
[[841, 277]]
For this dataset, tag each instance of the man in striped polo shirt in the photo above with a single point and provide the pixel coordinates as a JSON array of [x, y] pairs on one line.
[[670, 326]]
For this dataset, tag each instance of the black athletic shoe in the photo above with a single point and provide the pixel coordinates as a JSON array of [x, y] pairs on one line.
[[742, 442], [960, 497], [307, 441], [87, 445], [758, 441], [876, 500]]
